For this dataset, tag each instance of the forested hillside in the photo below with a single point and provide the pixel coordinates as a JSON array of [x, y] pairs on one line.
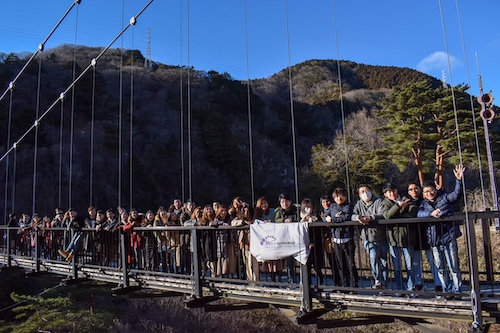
[[151, 110]]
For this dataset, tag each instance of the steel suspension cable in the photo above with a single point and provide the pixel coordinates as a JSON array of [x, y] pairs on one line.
[[9, 125], [249, 108], [181, 99], [61, 127], [35, 151], [92, 123], [474, 284], [292, 116], [72, 119], [190, 183], [120, 114], [478, 152], [131, 155], [341, 98], [62, 94], [40, 48]]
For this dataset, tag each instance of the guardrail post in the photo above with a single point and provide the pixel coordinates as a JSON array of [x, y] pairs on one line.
[[9, 250], [475, 290], [196, 277], [123, 248], [37, 251], [305, 286]]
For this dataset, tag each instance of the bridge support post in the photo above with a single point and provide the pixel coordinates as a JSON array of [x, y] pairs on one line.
[[196, 277], [37, 252], [9, 249], [124, 260], [475, 290], [305, 286]]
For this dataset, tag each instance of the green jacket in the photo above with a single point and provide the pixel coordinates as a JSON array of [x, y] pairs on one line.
[[401, 235]]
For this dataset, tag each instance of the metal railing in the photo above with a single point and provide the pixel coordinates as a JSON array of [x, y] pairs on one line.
[[206, 263]]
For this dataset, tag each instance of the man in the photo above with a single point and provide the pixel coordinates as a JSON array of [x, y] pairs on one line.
[[286, 212], [76, 223], [367, 211], [402, 237], [342, 239], [442, 236], [415, 194]]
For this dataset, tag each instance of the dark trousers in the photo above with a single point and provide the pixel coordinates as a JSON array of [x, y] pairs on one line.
[[344, 255]]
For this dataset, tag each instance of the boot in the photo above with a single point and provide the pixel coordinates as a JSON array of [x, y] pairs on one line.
[[63, 253], [70, 256]]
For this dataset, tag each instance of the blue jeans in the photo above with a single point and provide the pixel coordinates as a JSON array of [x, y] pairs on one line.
[[412, 264], [378, 259], [447, 262], [75, 242]]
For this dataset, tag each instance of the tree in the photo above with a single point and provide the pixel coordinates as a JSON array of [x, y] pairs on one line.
[[422, 128]]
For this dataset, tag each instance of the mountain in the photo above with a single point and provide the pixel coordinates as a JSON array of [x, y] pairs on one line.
[[160, 146]]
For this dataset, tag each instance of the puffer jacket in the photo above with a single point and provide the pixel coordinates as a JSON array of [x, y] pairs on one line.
[[442, 232]]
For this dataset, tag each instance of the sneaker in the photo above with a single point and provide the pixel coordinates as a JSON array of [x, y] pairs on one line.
[[69, 257], [378, 285], [418, 287], [63, 253]]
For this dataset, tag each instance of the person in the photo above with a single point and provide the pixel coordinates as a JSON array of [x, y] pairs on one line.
[[262, 210], [76, 223], [342, 238], [24, 243], [246, 217], [442, 235], [367, 211], [264, 213], [14, 236], [161, 220], [401, 237], [226, 257], [149, 242], [208, 241], [415, 194], [136, 256], [308, 214], [325, 209], [90, 222], [185, 237], [287, 213], [176, 207], [235, 208]]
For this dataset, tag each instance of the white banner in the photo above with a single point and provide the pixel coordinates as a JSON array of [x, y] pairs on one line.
[[272, 241]]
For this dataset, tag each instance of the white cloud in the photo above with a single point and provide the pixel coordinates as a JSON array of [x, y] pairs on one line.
[[437, 61]]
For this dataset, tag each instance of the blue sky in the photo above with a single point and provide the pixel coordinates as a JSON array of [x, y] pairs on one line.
[[394, 33]]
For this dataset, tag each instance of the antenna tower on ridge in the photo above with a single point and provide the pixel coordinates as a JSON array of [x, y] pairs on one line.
[[148, 63], [443, 79]]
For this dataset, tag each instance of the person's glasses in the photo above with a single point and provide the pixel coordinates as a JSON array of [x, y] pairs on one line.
[[428, 191]]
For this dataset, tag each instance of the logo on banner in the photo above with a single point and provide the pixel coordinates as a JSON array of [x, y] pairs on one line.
[[271, 242]]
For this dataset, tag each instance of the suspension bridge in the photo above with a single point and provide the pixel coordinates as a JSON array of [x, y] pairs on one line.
[[306, 293]]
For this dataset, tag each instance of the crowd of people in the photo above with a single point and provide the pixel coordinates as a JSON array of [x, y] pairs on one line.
[[225, 252]]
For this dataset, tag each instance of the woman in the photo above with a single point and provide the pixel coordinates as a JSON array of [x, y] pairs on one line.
[[245, 218], [161, 220], [226, 257], [308, 214], [208, 241], [149, 242], [264, 213], [173, 240]]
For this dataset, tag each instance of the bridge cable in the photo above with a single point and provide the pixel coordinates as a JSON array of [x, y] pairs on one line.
[[294, 147], [478, 152], [92, 128], [40, 48], [61, 127], [249, 109], [62, 95], [131, 155], [35, 150], [120, 115], [181, 99], [341, 99], [6, 194], [190, 166], [475, 312], [72, 119]]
